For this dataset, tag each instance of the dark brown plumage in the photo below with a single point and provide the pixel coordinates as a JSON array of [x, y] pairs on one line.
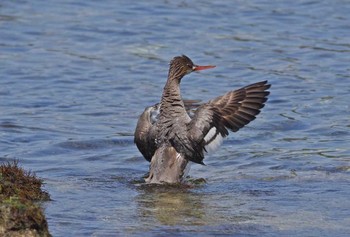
[[168, 137]]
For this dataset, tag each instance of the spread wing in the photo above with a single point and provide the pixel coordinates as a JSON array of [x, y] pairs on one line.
[[143, 137], [232, 111]]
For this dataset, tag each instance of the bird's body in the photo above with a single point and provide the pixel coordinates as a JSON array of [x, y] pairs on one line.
[[170, 138]]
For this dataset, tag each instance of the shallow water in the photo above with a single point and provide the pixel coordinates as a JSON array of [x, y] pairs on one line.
[[74, 76]]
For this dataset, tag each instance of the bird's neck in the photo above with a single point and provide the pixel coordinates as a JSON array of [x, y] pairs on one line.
[[171, 102]]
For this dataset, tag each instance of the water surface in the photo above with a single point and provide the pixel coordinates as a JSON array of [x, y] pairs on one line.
[[75, 75]]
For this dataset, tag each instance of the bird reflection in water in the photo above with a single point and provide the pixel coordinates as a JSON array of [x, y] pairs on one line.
[[170, 205]]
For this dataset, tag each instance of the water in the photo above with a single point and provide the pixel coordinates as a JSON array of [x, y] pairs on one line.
[[75, 75]]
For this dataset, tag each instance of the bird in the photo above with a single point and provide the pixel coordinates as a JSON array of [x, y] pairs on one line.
[[174, 133]]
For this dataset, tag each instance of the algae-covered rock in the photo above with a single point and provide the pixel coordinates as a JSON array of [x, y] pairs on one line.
[[20, 195]]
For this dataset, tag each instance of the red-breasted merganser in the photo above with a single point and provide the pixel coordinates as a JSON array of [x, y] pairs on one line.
[[169, 138]]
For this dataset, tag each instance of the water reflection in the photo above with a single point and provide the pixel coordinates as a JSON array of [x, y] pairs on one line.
[[170, 205]]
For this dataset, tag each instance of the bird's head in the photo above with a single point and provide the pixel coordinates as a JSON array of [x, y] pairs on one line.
[[183, 65]]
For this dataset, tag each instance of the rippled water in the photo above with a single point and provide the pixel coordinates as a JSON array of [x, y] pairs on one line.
[[75, 75]]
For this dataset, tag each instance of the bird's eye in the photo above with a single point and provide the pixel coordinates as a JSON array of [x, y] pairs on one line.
[[189, 65]]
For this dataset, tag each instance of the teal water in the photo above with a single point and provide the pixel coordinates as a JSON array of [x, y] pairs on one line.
[[75, 75]]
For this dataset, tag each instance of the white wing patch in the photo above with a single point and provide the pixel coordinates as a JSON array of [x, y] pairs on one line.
[[154, 113], [213, 140]]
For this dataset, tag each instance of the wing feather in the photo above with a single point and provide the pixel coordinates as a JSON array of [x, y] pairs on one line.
[[144, 137], [232, 111]]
